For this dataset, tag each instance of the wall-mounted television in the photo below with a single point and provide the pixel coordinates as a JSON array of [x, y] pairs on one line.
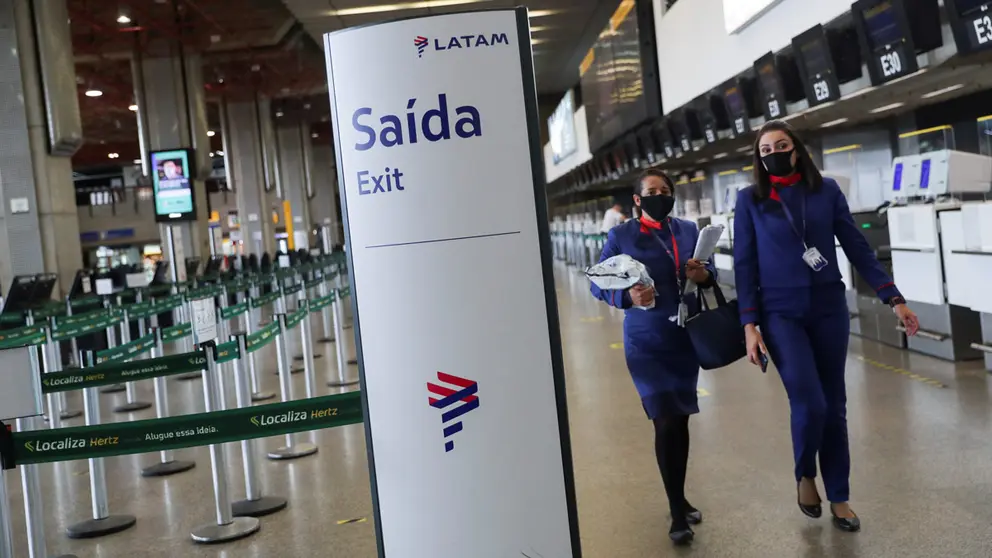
[[561, 128], [971, 22], [892, 32], [619, 75], [173, 173]]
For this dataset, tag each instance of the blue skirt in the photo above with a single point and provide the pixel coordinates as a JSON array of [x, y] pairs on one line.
[[665, 380]]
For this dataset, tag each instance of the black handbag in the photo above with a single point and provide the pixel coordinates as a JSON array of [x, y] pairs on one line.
[[716, 333]]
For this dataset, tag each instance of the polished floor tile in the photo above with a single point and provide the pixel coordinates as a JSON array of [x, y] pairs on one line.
[[919, 429]]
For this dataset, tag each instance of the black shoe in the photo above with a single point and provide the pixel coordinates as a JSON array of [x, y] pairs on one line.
[[815, 511], [681, 535], [846, 524], [692, 515]]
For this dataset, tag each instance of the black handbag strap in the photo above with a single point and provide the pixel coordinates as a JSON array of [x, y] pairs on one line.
[[701, 303]]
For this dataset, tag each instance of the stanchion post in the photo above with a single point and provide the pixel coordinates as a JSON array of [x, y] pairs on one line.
[[168, 464], [6, 536], [254, 504], [102, 522], [342, 360], [308, 365], [292, 449], [224, 332], [289, 336], [250, 322], [111, 343], [131, 404], [325, 313], [184, 342], [227, 527], [48, 361], [63, 403]]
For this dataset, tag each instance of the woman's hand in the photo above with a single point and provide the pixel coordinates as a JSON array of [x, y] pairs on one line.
[[696, 271], [755, 344], [642, 295], [908, 319]]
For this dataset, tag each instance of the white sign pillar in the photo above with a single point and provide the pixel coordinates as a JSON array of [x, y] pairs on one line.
[[442, 182]]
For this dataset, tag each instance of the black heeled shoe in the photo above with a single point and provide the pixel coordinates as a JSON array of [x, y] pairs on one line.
[[692, 515], [846, 524], [681, 535], [815, 511]]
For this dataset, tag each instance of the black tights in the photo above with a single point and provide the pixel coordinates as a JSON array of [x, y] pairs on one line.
[[671, 446]]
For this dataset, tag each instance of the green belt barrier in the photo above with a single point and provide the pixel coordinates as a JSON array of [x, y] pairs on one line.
[[203, 292], [262, 337], [168, 303], [265, 299], [159, 290], [319, 304], [238, 285], [111, 373], [285, 273], [289, 291], [79, 319], [54, 309], [90, 326], [11, 335], [128, 350], [233, 311], [84, 302], [226, 352], [141, 310], [176, 332], [9, 318], [345, 292], [294, 319], [185, 431], [314, 283], [29, 340]]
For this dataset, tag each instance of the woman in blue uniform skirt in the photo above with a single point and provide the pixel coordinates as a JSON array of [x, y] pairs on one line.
[[659, 353], [789, 285]]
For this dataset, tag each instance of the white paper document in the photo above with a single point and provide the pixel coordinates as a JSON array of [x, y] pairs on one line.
[[706, 243]]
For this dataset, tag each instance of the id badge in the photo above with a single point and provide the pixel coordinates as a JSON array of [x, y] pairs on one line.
[[814, 259]]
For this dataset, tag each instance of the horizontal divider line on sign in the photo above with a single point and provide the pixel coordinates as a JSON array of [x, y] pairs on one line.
[[110, 373], [436, 240], [185, 431]]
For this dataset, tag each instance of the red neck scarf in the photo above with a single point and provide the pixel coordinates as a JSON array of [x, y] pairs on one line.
[[648, 225], [782, 182]]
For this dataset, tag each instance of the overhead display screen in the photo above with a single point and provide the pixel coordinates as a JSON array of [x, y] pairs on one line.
[[816, 66], [971, 21], [561, 128], [612, 79], [737, 14], [771, 87], [172, 183], [733, 97], [883, 28]]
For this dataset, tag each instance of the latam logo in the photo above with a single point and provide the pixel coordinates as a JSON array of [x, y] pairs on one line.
[[460, 41], [455, 401], [421, 44]]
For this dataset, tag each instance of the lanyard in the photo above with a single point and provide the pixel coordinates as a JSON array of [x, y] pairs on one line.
[[673, 256], [792, 221]]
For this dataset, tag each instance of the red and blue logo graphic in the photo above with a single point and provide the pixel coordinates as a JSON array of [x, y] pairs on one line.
[[455, 401], [421, 44]]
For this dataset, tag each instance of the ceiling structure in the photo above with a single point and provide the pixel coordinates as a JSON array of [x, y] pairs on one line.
[[271, 48]]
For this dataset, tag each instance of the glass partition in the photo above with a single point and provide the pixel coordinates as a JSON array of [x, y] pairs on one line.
[[926, 141]]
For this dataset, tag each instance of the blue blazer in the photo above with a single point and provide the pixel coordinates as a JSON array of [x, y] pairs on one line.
[[769, 269], [659, 353]]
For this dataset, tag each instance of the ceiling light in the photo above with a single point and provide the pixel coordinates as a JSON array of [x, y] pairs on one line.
[[255, 67], [113, 155], [399, 6], [132, 108], [744, 149], [93, 92], [211, 133], [537, 41], [278, 114], [720, 155], [314, 135], [306, 106], [834, 122], [214, 39], [933, 94], [123, 19], [137, 161], [220, 153], [538, 28], [211, 154], [541, 13], [886, 108]]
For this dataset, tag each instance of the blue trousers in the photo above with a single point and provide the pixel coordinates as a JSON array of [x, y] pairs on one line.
[[810, 353]]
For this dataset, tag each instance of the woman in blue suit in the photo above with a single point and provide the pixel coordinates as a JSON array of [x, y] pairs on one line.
[[789, 286], [659, 353]]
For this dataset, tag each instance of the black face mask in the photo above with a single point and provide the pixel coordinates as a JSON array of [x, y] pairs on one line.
[[779, 163], [657, 207]]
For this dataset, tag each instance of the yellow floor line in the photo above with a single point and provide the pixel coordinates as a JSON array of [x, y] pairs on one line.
[[702, 392], [350, 521], [615, 346], [903, 372]]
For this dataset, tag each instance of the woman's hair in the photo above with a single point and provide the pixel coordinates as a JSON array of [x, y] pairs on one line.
[[638, 186], [804, 162]]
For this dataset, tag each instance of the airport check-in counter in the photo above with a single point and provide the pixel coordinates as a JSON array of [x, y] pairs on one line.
[[723, 256], [970, 271], [870, 317], [927, 240]]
